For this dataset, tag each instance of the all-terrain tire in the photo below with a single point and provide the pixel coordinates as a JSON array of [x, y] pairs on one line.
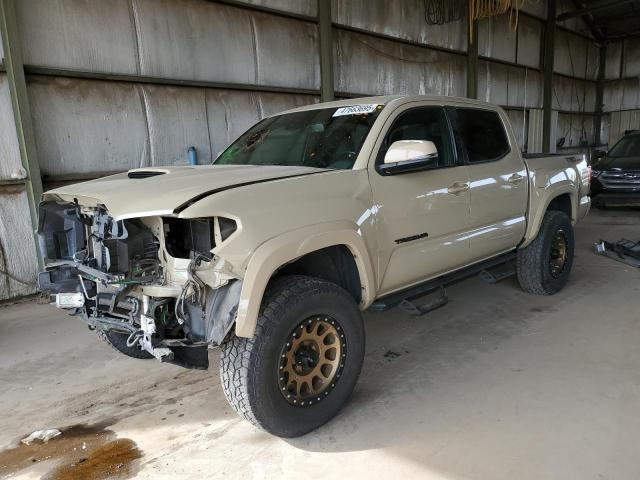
[[535, 273], [118, 341], [250, 367]]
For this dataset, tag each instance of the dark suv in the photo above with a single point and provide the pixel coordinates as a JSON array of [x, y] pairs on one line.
[[616, 174]]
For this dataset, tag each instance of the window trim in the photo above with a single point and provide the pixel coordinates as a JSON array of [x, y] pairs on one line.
[[452, 110], [448, 128]]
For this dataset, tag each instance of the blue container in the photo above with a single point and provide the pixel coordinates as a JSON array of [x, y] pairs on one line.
[[192, 156]]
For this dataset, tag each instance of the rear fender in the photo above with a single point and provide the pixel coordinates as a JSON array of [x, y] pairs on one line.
[[539, 200]]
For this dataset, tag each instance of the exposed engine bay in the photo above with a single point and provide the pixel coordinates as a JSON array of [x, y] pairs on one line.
[[154, 279]]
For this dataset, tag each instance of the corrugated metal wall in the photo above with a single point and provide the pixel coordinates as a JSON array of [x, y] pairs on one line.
[[622, 88], [18, 261], [402, 20], [136, 109], [87, 126], [366, 65], [387, 48], [127, 83], [576, 64]]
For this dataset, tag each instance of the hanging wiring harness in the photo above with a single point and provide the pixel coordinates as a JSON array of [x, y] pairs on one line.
[[440, 12], [194, 290]]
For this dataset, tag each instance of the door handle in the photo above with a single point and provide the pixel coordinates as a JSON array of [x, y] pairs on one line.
[[458, 187], [515, 179]]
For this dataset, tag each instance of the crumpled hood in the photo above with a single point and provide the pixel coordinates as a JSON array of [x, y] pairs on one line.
[[171, 189]]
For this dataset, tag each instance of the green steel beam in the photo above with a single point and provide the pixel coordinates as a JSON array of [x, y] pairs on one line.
[[34, 70], [326, 50], [597, 119], [263, 9], [472, 61], [13, 65], [548, 58]]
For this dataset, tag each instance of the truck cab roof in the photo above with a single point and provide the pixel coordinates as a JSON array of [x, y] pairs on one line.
[[389, 99]]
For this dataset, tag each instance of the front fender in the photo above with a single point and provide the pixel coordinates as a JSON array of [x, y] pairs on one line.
[[283, 249]]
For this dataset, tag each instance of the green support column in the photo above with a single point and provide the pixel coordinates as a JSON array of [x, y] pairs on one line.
[[326, 50], [548, 58], [597, 119], [472, 61], [13, 65]]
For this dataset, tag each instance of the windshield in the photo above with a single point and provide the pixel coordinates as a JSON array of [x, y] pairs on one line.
[[323, 138], [625, 153]]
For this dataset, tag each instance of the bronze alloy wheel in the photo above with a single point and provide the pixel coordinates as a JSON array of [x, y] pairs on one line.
[[311, 360], [558, 257]]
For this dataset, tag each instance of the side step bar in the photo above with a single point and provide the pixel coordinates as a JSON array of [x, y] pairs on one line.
[[411, 308], [438, 284], [498, 273]]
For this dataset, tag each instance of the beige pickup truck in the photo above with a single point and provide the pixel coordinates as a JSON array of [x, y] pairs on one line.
[[309, 218]]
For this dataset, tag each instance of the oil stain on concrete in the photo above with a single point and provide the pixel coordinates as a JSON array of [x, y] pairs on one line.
[[81, 452]]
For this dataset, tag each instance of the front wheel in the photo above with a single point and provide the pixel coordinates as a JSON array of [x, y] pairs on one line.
[[303, 362], [544, 265]]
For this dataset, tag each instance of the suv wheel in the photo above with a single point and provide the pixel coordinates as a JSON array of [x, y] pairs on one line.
[[544, 265], [118, 341], [303, 362]]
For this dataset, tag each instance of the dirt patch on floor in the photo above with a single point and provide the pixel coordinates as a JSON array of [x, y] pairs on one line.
[[80, 452]]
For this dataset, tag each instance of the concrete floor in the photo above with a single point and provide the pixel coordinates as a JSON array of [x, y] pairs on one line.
[[496, 385]]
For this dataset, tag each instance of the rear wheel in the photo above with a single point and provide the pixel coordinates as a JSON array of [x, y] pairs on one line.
[[118, 341], [545, 264], [303, 362]]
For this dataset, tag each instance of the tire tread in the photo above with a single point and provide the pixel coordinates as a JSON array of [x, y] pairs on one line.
[[240, 357], [529, 270]]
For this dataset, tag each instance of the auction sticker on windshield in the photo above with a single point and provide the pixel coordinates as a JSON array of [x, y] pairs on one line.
[[356, 110]]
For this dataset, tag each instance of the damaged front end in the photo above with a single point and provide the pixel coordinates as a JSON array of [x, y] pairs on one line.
[[154, 279]]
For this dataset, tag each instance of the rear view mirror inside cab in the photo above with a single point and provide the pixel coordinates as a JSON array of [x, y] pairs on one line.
[[408, 156]]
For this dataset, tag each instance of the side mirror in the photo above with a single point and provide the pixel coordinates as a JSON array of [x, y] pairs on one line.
[[408, 156]]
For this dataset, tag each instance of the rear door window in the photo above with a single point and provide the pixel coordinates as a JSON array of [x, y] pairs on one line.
[[480, 134]]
